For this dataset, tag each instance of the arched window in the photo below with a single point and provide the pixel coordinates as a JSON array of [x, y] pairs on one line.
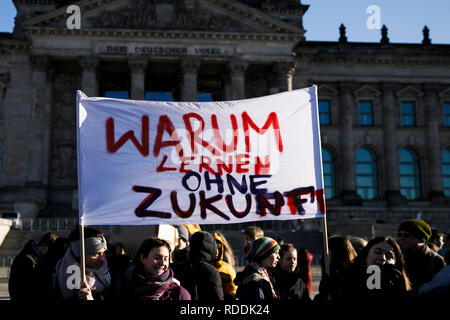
[[328, 173], [446, 171], [409, 170], [366, 174]]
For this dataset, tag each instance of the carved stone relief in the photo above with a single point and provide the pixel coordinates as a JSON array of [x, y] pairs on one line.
[[176, 15], [63, 132]]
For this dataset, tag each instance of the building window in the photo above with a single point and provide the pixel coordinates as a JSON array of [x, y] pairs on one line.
[[158, 96], [328, 173], [204, 97], [366, 174], [446, 171], [324, 112], [117, 94], [447, 114], [365, 113], [409, 170], [408, 114]]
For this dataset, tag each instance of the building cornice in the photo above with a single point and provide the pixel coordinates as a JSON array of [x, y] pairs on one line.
[[8, 45], [164, 34]]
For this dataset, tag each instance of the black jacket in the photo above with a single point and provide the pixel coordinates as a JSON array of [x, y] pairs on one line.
[[290, 285], [198, 275], [22, 277], [359, 283], [252, 286], [422, 266]]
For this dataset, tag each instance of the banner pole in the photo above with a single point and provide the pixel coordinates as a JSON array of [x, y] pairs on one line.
[[82, 257], [326, 258]]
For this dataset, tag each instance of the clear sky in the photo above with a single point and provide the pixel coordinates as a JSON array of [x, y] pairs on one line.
[[405, 19]]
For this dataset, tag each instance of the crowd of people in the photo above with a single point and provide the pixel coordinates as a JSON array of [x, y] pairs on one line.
[[203, 267]]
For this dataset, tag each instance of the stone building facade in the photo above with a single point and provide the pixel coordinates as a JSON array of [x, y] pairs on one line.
[[389, 100]]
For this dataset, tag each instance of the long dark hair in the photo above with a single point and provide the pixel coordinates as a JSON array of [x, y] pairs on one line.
[[399, 259]]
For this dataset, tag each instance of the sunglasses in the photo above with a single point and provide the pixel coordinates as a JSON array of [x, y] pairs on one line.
[[403, 235]]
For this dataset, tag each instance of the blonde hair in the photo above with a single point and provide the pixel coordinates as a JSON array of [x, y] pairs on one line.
[[226, 246]]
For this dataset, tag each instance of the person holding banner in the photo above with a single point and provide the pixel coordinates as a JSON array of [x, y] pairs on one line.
[[68, 270], [254, 282], [341, 256], [150, 278]]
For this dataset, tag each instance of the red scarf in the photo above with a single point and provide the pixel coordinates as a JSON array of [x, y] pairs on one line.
[[150, 287]]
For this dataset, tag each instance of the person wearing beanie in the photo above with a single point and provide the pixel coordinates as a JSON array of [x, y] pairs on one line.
[[422, 263], [255, 282], [180, 254], [198, 274]]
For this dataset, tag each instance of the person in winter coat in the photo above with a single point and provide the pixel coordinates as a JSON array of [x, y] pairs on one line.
[[226, 271], [198, 275], [180, 254], [439, 287], [228, 255], [287, 276], [254, 282], [422, 263], [341, 256], [377, 272], [150, 278], [68, 269], [46, 269], [304, 259], [22, 285]]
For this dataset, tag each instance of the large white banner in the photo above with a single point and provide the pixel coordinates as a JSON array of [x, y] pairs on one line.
[[152, 162]]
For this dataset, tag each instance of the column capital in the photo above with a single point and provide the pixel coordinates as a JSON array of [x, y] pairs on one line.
[[388, 88], [345, 87], [237, 66], [190, 65], [88, 62], [138, 64], [40, 62], [431, 89]]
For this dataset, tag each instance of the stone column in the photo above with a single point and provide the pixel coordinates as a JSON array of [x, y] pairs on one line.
[[89, 83], [432, 108], [284, 71], [138, 68], [391, 178], [349, 194], [33, 194], [4, 81], [40, 65], [237, 68], [189, 68]]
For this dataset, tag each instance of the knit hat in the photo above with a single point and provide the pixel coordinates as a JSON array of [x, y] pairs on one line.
[[419, 229], [261, 248], [183, 232]]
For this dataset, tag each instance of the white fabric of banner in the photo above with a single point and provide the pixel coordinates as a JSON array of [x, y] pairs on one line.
[[153, 162]]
